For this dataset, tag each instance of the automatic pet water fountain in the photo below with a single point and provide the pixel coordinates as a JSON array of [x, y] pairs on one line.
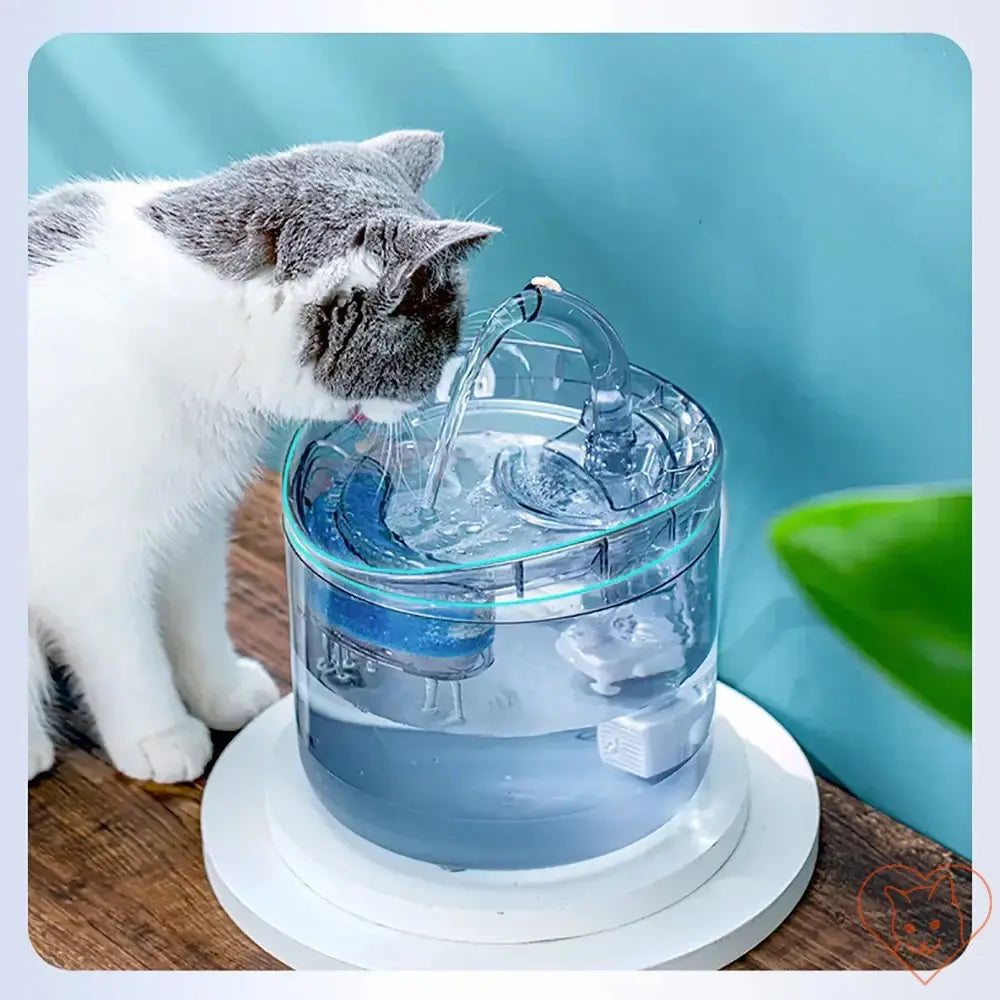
[[506, 745]]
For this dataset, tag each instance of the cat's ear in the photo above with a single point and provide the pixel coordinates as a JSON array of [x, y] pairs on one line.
[[418, 154], [405, 244], [896, 896], [944, 886], [214, 220], [423, 239]]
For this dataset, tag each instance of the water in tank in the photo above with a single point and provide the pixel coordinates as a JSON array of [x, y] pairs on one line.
[[504, 607]]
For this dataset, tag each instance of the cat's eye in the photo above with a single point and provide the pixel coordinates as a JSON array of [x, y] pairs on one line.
[[909, 928], [935, 924]]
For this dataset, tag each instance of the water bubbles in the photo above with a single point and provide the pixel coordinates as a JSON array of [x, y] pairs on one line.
[[471, 520]]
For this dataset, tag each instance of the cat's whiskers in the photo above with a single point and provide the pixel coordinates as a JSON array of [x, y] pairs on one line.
[[385, 457], [405, 426], [380, 454], [482, 204]]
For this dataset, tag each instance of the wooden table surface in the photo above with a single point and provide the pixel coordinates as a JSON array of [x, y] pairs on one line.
[[115, 876]]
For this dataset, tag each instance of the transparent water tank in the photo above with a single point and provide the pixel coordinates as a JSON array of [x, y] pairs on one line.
[[522, 673]]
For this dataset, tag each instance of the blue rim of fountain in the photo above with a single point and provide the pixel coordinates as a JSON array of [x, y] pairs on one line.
[[347, 570], [432, 603]]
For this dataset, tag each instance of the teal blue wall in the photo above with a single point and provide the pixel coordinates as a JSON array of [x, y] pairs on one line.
[[779, 224]]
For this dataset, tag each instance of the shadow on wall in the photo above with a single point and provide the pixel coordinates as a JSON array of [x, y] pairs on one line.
[[779, 224]]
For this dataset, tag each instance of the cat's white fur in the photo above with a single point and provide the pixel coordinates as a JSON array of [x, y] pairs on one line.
[[152, 384]]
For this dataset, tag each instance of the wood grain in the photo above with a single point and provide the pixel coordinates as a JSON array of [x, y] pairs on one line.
[[115, 875]]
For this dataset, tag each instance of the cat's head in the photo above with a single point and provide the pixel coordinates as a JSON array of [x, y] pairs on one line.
[[920, 924], [355, 288]]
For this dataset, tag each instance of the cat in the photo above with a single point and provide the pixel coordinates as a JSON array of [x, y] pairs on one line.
[[172, 324], [918, 929]]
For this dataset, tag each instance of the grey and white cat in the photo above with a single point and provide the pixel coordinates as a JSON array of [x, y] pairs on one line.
[[171, 325]]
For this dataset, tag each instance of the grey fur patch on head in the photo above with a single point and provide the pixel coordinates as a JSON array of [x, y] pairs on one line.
[[292, 213], [285, 217], [59, 221], [393, 341]]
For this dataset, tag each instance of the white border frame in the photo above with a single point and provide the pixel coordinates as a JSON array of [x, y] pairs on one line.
[[969, 23]]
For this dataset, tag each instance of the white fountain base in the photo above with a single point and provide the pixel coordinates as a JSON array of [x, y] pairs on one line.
[[697, 894]]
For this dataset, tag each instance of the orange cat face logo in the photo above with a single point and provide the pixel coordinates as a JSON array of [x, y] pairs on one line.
[[924, 920], [921, 930]]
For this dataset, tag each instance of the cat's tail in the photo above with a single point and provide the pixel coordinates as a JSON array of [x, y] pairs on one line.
[[41, 751]]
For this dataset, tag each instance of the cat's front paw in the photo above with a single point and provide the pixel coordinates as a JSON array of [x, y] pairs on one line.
[[177, 754], [236, 696], [41, 754]]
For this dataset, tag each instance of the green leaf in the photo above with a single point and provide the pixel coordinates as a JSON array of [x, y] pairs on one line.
[[892, 572]]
